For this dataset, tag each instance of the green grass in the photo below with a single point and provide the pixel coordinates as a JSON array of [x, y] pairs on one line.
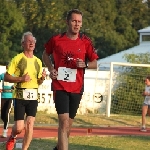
[[94, 143], [44, 119]]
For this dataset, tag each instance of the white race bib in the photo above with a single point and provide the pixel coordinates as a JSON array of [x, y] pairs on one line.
[[27, 94], [30, 94], [67, 74]]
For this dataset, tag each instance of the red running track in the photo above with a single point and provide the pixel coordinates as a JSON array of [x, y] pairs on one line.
[[47, 132]]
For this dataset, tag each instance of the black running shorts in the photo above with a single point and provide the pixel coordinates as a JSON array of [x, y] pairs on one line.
[[66, 102], [22, 107]]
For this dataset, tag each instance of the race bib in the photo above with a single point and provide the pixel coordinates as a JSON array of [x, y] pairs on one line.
[[27, 94], [67, 74]]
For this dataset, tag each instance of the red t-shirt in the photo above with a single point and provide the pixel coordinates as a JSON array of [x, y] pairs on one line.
[[65, 53]]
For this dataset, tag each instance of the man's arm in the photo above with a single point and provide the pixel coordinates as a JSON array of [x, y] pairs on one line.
[[92, 64], [47, 61], [89, 65], [40, 80], [12, 79]]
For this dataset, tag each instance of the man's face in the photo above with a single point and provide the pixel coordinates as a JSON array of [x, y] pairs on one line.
[[29, 43], [75, 23]]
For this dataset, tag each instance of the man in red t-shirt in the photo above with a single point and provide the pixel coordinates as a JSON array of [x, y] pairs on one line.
[[72, 52]]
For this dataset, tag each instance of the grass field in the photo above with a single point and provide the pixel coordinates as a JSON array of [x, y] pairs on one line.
[[44, 119], [92, 142]]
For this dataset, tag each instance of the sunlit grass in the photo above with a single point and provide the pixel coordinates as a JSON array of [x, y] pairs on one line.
[[45, 119], [94, 143], [91, 142]]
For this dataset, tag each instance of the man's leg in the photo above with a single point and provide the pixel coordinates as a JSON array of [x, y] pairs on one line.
[[19, 112], [74, 102], [68, 131], [29, 123], [63, 131], [16, 129], [66, 107], [30, 110], [70, 125], [62, 108]]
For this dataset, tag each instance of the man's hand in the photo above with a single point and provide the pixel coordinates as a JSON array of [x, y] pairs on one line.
[[53, 74], [43, 74], [1, 90], [26, 78], [80, 63]]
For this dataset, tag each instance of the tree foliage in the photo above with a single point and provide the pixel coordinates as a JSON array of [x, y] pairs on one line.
[[111, 24], [11, 24]]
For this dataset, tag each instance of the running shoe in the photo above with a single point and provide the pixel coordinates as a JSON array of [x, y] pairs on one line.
[[4, 135], [55, 148], [10, 144], [143, 129]]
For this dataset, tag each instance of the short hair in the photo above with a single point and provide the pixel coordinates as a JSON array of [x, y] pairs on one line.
[[76, 11], [25, 34], [148, 77]]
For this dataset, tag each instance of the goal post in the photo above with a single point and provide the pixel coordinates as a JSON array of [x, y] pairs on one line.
[[108, 103], [125, 87]]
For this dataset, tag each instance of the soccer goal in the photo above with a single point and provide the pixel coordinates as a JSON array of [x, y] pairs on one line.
[[124, 87]]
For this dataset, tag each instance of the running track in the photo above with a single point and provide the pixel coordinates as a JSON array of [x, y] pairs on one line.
[[47, 132]]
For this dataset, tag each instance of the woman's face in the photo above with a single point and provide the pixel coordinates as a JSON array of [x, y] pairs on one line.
[[147, 81]]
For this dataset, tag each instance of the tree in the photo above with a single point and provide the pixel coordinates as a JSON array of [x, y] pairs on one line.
[[128, 17], [11, 24], [111, 24], [43, 18]]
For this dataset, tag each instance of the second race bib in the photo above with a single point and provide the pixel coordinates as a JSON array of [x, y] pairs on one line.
[[67, 74]]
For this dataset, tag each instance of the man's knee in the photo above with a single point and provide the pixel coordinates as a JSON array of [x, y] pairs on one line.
[[18, 129], [64, 122], [30, 122], [18, 126]]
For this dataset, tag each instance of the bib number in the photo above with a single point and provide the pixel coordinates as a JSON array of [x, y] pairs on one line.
[[27, 94], [67, 74]]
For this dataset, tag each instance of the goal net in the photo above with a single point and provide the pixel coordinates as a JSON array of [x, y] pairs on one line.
[[125, 88]]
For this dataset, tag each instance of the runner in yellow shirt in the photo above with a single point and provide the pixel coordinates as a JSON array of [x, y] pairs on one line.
[[28, 75]]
